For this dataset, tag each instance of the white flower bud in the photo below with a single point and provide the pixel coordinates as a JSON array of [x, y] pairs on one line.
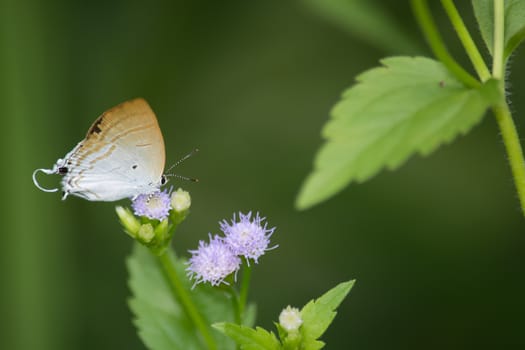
[[180, 200], [290, 319]]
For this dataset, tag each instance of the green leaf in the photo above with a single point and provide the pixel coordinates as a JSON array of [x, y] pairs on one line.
[[318, 314], [369, 21], [160, 319], [249, 338], [484, 12], [406, 106], [514, 23]]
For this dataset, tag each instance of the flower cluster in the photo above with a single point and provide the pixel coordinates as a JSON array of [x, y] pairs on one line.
[[246, 237], [155, 216], [155, 205], [213, 261]]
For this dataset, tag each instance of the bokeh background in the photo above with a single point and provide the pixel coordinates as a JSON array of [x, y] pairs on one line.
[[437, 247]]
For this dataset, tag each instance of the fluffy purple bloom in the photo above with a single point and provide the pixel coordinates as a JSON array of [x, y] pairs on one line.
[[154, 205], [247, 237], [212, 262]]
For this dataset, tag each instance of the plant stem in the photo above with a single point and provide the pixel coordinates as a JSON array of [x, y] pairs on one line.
[[501, 111], [236, 306], [245, 284], [513, 147], [185, 299], [424, 18], [465, 38], [499, 39], [239, 299]]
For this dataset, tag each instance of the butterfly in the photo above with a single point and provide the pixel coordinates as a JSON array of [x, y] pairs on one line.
[[122, 156]]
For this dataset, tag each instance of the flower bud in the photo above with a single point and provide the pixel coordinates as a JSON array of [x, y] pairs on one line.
[[162, 231], [128, 220], [146, 233], [290, 319], [180, 200]]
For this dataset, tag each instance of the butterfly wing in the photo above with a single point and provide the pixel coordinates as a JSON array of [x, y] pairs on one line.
[[122, 155]]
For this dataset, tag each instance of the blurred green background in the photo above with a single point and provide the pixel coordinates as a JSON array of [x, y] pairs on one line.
[[437, 247]]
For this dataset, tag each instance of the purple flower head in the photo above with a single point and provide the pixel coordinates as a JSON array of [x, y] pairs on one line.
[[155, 205], [247, 237], [212, 262]]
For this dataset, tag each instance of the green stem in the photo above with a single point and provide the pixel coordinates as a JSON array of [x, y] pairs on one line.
[[245, 284], [465, 38], [239, 299], [498, 65], [424, 18], [513, 147], [501, 111], [185, 299], [230, 289]]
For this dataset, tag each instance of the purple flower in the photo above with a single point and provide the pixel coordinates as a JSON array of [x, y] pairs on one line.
[[212, 262], [155, 205], [247, 237]]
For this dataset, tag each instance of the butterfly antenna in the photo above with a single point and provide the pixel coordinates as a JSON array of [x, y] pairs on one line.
[[182, 160], [182, 177], [168, 174]]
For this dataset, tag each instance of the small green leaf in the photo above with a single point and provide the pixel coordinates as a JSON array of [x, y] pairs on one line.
[[408, 105], [368, 20], [318, 314], [249, 338], [280, 331], [161, 322], [514, 23]]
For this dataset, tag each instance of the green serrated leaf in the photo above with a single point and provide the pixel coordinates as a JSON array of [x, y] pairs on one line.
[[367, 20], [313, 345], [249, 338], [514, 23], [318, 314], [159, 318], [409, 105]]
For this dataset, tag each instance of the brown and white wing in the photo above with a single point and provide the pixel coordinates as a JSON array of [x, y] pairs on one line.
[[122, 155]]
